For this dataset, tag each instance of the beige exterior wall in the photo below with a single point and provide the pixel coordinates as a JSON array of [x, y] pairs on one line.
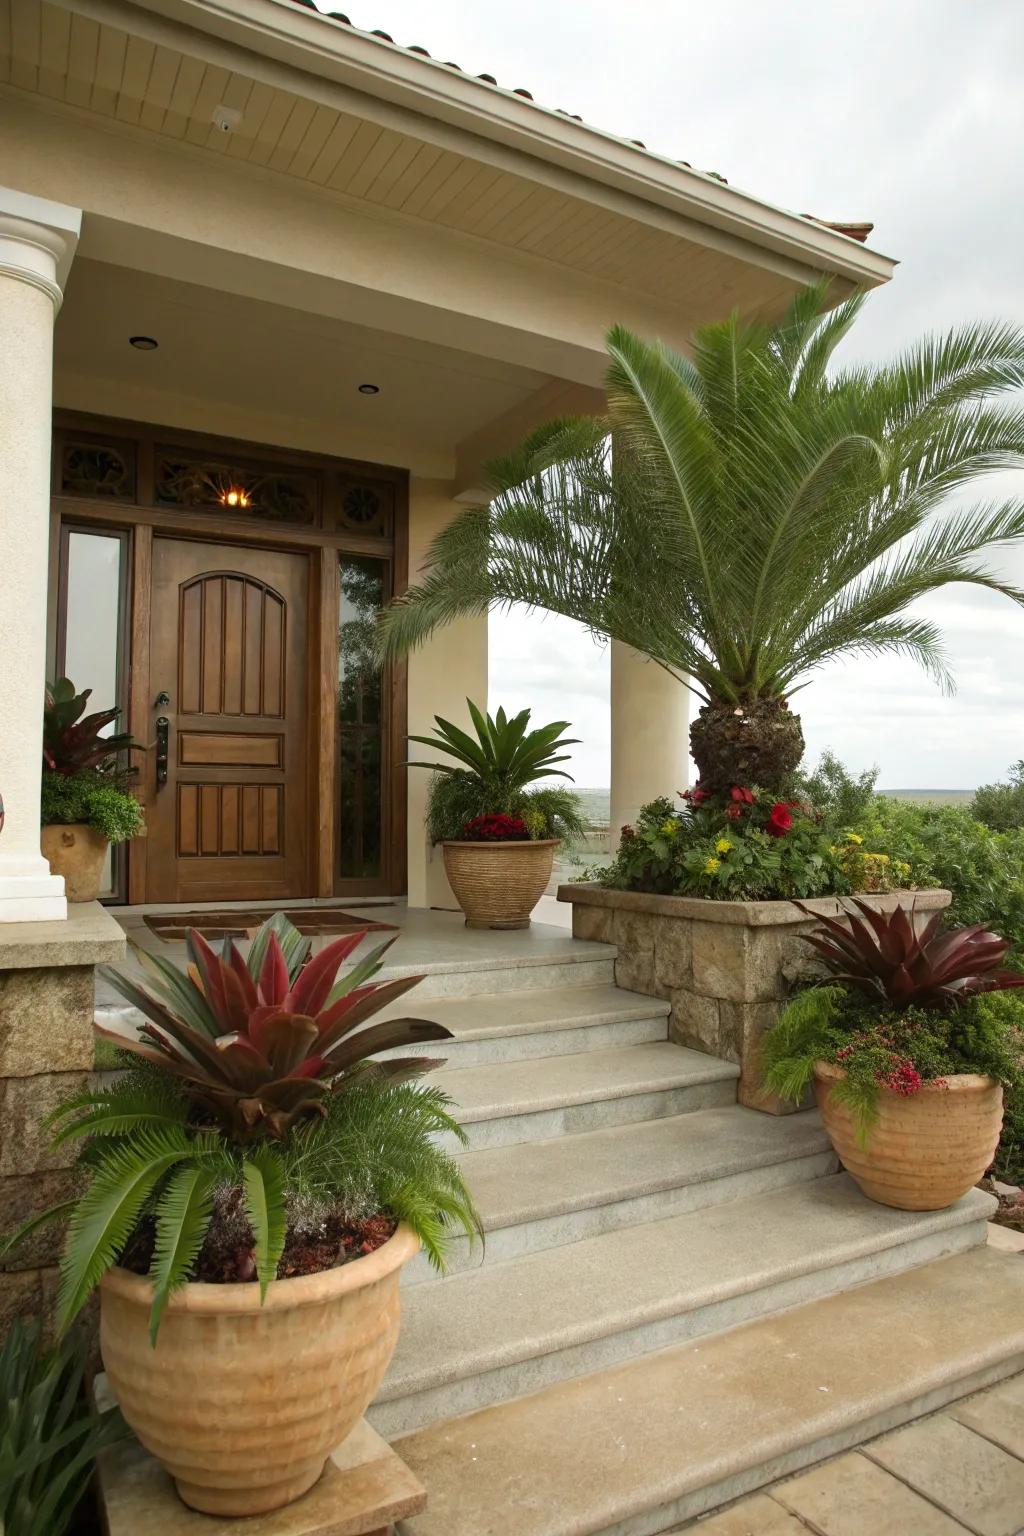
[[446, 671]]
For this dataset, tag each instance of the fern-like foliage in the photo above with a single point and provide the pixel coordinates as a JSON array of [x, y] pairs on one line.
[[183, 1214], [263, 1179], [798, 1040]]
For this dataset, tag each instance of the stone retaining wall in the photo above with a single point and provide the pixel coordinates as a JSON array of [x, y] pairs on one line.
[[46, 1053], [725, 966]]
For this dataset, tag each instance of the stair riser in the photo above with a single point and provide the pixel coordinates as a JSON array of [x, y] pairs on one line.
[[400, 1415], [508, 978], [674, 1518], [555, 1042], [556, 1231], [507, 1130]]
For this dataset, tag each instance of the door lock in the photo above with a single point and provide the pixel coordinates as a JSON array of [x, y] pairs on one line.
[[162, 728], [162, 700]]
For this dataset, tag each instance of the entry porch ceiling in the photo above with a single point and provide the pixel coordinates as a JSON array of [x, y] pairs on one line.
[[157, 76], [238, 365]]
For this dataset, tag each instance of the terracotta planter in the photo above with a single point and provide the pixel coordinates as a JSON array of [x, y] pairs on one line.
[[243, 1403], [76, 851], [924, 1151], [498, 885]]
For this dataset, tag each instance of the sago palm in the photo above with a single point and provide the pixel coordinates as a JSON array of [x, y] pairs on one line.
[[746, 516]]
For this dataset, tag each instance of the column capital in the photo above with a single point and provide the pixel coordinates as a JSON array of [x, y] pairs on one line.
[[37, 241]]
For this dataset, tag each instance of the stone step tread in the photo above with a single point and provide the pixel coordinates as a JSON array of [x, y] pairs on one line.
[[510, 1088], [559, 1298], [420, 954], [537, 1179], [524, 1013], [644, 1445]]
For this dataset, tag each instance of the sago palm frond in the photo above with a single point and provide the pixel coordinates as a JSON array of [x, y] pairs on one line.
[[264, 1186], [183, 1214], [747, 516]]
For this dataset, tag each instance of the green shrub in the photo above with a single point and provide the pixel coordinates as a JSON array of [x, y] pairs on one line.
[[457, 797], [1001, 806], [91, 797], [945, 846], [841, 799]]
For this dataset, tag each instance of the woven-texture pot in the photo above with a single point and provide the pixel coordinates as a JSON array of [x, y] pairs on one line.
[[76, 851], [498, 885], [243, 1403], [925, 1150]]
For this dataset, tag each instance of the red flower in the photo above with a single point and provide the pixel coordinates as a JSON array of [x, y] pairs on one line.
[[698, 794], [733, 812], [742, 796], [780, 820], [904, 1079], [626, 832], [496, 829]]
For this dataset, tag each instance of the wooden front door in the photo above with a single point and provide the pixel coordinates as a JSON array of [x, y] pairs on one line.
[[228, 648]]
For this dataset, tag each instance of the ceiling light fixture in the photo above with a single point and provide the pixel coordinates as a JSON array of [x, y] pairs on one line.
[[144, 343], [369, 389]]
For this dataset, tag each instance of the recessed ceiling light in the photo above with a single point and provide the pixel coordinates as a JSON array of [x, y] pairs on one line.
[[369, 389], [144, 343]]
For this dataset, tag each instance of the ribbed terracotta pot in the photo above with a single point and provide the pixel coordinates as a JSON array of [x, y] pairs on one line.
[[76, 851], [244, 1403], [924, 1151], [498, 885]]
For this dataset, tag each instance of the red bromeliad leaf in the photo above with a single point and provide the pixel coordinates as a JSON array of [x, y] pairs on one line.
[[273, 984], [314, 982]]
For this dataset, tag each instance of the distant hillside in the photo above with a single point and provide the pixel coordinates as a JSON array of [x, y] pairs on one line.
[[931, 796]]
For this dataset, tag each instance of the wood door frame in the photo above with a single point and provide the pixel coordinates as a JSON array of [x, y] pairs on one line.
[[323, 549]]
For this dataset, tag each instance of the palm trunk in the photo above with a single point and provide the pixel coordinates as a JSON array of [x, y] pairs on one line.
[[759, 743]]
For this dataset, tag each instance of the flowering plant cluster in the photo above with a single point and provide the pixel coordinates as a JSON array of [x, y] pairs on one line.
[[495, 829], [906, 1003]]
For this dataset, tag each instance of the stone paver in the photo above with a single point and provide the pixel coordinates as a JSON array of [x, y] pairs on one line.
[[853, 1497], [959, 1472], [998, 1414], [969, 1477], [759, 1516]]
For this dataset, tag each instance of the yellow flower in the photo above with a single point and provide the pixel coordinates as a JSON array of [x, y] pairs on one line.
[[710, 865], [723, 845], [854, 837], [669, 828]]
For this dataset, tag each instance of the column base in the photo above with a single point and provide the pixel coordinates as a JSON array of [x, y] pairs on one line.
[[32, 896]]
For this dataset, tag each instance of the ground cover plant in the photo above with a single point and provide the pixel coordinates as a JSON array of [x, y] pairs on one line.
[[904, 1003], [85, 774], [745, 516], [491, 791], [250, 1136]]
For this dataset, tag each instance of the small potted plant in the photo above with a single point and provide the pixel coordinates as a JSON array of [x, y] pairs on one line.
[[253, 1184], [85, 801], [498, 828], [907, 1041]]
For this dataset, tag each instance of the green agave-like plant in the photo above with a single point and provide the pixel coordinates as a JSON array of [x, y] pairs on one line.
[[49, 1439], [243, 1063], [505, 756], [748, 515]]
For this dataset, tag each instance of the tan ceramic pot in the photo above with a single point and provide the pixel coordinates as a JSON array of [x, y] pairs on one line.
[[924, 1151], [498, 885], [76, 851], [243, 1403]]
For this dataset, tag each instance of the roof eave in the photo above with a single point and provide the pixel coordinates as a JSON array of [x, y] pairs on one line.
[[311, 41]]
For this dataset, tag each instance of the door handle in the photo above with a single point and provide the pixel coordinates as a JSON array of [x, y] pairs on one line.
[[162, 729]]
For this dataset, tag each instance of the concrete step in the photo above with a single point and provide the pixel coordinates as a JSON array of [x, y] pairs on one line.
[[466, 962], [644, 1447], [508, 1328], [542, 1194], [548, 1021], [517, 1101]]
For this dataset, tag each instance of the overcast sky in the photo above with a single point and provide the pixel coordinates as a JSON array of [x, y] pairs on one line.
[[906, 112]]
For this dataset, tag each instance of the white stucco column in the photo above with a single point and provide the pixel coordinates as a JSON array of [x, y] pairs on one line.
[[650, 750], [37, 242]]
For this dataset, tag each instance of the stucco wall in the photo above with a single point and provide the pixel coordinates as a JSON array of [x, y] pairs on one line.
[[450, 668]]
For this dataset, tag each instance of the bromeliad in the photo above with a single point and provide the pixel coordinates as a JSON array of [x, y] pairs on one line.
[[261, 1041]]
